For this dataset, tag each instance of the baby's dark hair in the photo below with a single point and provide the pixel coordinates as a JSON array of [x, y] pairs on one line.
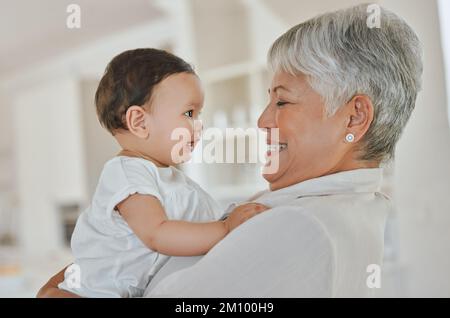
[[129, 80]]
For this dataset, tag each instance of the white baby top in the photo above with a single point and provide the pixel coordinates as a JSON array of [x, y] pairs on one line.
[[113, 262]]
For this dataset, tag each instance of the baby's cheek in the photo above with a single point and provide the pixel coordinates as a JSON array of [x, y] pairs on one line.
[[180, 151]]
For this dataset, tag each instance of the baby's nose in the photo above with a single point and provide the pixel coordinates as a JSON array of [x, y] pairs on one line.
[[198, 125]]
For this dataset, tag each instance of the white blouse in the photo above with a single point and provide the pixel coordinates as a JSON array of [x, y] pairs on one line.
[[317, 241]]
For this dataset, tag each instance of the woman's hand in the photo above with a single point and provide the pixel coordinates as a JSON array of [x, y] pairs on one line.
[[51, 290], [242, 213]]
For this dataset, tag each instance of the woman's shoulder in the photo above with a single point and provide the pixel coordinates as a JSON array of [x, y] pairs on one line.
[[292, 223]]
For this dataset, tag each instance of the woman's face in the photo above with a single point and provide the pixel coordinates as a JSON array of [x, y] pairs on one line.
[[311, 143]]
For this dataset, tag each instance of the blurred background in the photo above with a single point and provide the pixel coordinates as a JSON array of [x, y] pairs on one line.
[[52, 148]]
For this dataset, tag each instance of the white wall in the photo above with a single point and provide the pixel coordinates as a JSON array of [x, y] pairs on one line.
[[7, 221], [6, 175], [49, 160], [444, 13], [98, 143], [422, 166]]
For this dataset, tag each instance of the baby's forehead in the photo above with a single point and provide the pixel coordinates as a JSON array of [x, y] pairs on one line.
[[180, 84], [179, 90], [176, 101]]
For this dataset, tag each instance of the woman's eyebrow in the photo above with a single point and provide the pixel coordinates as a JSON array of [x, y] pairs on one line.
[[279, 87]]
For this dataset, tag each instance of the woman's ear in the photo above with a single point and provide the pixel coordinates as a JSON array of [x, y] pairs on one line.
[[361, 114], [136, 120]]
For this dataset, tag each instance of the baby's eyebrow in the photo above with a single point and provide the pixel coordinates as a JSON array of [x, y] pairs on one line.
[[196, 105]]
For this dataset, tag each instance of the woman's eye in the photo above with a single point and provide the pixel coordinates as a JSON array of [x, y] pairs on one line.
[[280, 103], [189, 113]]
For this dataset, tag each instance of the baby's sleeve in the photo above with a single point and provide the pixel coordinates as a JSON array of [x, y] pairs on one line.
[[127, 176]]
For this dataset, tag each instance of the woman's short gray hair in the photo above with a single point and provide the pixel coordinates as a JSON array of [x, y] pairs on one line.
[[342, 55]]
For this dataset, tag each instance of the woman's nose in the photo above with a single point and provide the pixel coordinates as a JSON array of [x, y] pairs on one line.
[[267, 118]]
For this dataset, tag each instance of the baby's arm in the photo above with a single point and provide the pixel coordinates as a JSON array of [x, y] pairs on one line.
[[146, 217]]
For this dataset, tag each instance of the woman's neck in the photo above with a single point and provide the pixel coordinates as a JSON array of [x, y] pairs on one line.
[[352, 161], [359, 164]]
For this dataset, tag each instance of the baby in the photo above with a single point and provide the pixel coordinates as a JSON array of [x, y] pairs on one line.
[[144, 209]]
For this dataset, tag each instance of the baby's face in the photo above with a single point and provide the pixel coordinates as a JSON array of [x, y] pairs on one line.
[[175, 106]]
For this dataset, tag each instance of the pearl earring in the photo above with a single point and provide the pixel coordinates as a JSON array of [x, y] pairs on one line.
[[350, 137]]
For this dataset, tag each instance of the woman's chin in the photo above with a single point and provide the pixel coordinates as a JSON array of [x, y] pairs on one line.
[[271, 177], [272, 169]]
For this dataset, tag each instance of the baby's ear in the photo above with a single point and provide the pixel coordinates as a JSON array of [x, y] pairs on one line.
[[136, 121]]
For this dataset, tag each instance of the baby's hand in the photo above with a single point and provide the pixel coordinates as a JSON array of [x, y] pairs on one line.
[[242, 213]]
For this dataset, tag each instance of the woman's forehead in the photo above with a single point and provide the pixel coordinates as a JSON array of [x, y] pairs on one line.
[[286, 82]]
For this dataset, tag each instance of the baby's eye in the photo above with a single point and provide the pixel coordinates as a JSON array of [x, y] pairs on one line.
[[281, 103], [189, 113]]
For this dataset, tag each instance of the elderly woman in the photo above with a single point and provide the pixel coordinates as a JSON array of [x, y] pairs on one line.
[[340, 96]]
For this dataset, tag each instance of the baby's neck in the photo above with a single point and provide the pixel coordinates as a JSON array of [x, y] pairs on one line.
[[137, 154]]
